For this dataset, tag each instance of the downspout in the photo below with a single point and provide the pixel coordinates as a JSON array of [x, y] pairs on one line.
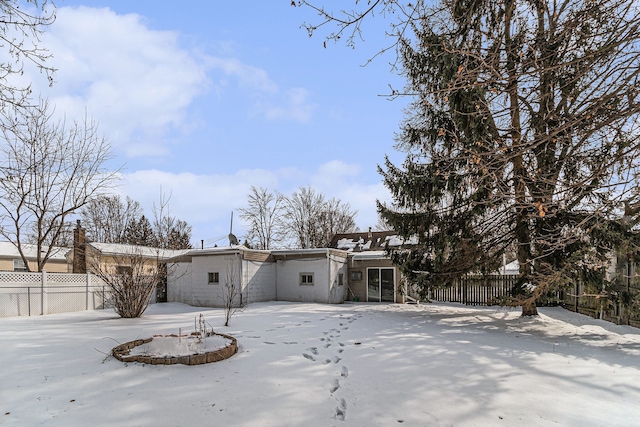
[[242, 278], [329, 293]]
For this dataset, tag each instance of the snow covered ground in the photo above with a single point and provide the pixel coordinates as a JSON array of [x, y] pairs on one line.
[[327, 365]]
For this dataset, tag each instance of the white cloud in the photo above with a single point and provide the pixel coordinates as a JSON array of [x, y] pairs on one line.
[[294, 107], [136, 82], [247, 75], [206, 201], [139, 83]]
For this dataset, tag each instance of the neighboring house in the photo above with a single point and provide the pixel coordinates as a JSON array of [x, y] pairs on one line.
[[202, 277], [10, 259], [90, 256], [371, 274], [116, 258]]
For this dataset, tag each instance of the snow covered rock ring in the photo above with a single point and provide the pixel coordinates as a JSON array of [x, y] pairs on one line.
[[173, 349]]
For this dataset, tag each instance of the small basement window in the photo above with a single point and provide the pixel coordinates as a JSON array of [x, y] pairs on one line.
[[306, 279], [214, 277]]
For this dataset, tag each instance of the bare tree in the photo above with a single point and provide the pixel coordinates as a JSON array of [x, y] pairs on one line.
[[302, 210], [20, 31], [335, 217], [131, 279], [170, 232], [382, 224], [48, 171], [231, 293], [312, 220], [106, 218], [264, 215]]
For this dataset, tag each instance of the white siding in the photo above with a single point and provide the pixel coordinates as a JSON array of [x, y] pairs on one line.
[[289, 287], [337, 265], [179, 282], [260, 280]]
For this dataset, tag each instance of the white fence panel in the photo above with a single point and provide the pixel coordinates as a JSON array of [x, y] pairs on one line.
[[32, 294]]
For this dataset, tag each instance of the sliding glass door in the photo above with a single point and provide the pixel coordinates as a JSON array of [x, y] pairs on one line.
[[381, 285]]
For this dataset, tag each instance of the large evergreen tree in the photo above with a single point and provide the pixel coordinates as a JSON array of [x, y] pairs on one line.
[[523, 130]]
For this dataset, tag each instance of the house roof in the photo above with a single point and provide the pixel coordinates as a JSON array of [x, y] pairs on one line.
[[9, 250], [368, 241], [220, 250], [264, 254], [360, 256], [144, 251]]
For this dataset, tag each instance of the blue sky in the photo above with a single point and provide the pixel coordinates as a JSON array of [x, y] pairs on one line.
[[203, 101]]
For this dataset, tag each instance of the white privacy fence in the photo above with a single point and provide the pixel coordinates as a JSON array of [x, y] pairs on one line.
[[34, 294]]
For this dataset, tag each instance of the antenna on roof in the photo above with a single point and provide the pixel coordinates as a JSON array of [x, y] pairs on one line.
[[233, 240]]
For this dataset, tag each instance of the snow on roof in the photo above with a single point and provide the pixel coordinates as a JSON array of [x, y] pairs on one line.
[[8, 249], [144, 251], [369, 255], [396, 240], [346, 244]]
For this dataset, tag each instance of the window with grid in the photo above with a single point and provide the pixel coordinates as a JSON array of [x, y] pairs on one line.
[[214, 278], [306, 278]]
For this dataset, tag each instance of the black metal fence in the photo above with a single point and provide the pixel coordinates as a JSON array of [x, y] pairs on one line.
[[476, 290], [607, 305]]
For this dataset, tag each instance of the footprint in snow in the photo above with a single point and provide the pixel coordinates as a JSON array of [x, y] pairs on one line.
[[308, 356], [335, 385], [344, 372], [313, 350], [326, 361], [336, 359], [341, 410], [327, 345]]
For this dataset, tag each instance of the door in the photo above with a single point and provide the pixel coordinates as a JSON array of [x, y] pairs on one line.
[[381, 285]]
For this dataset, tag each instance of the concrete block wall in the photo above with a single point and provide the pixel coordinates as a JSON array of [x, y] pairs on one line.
[[289, 287], [260, 280]]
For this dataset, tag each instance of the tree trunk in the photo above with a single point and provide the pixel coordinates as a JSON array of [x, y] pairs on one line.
[[529, 308]]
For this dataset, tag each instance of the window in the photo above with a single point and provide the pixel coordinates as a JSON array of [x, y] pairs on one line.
[[356, 276], [306, 279], [214, 278], [340, 279], [18, 265], [124, 270]]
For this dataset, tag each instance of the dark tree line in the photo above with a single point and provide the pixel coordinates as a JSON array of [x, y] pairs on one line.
[[109, 219]]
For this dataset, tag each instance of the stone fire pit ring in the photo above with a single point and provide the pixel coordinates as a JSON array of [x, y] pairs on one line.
[[122, 352]]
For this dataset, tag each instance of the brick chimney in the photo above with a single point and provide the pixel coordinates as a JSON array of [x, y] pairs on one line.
[[79, 258]]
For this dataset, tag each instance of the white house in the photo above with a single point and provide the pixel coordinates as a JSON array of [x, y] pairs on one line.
[[200, 277]]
